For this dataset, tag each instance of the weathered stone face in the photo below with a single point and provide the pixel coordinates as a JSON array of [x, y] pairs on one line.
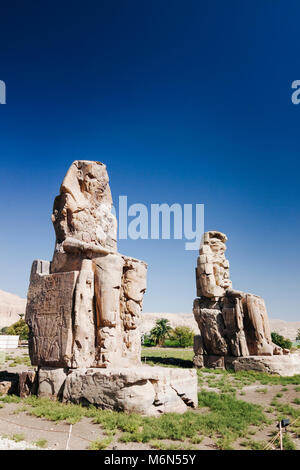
[[231, 323], [82, 211]]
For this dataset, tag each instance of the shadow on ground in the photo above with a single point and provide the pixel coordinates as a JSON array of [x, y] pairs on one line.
[[170, 361]]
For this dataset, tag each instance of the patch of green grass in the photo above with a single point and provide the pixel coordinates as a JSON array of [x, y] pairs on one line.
[[250, 377], [297, 389], [269, 410], [19, 361], [287, 442], [197, 439], [160, 445], [168, 357], [10, 399], [254, 445], [225, 443], [262, 390], [285, 409], [101, 444], [9, 358], [42, 443], [296, 401], [18, 437], [55, 410], [278, 395], [266, 379]]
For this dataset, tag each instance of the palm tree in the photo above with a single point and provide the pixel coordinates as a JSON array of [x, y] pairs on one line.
[[160, 332]]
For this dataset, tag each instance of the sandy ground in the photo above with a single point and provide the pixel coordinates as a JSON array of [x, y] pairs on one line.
[[9, 444]]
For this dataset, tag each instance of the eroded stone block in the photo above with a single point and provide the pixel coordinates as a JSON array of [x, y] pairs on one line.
[[145, 390], [51, 382]]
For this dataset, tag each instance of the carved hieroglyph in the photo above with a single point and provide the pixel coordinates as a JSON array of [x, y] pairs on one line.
[[231, 323], [84, 307], [50, 303]]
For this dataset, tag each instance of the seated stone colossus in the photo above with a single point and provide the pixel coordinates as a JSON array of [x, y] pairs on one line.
[[232, 323], [84, 307], [84, 310]]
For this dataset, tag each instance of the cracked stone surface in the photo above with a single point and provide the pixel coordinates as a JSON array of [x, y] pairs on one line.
[[146, 390]]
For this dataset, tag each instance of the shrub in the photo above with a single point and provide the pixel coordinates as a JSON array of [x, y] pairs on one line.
[[183, 335], [147, 340], [19, 328], [4, 330], [281, 341]]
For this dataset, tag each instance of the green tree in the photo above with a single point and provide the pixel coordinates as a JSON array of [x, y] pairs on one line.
[[281, 341], [161, 331], [19, 328], [298, 335], [183, 335], [147, 340], [4, 330]]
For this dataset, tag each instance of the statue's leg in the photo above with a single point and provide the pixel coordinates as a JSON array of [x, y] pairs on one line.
[[108, 279]]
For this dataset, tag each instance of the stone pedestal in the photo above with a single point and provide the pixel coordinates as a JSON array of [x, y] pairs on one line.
[[287, 366], [145, 390]]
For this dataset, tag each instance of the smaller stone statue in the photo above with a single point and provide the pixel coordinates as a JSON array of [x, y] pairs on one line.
[[232, 323]]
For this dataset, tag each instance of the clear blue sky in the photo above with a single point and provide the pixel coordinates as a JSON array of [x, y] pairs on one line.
[[185, 101]]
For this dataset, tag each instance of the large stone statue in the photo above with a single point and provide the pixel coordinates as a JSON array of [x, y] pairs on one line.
[[84, 308], [81, 310], [232, 324]]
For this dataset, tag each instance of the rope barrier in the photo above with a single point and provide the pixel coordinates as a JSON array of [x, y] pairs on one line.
[[69, 437], [277, 435]]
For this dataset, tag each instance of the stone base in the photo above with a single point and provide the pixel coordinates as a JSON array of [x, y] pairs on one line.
[[285, 365], [145, 390], [288, 365], [51, 382], [9, 383]]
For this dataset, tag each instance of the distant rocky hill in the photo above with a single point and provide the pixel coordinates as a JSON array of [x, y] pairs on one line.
[[175, 319], [288, 329], [11, 306]]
